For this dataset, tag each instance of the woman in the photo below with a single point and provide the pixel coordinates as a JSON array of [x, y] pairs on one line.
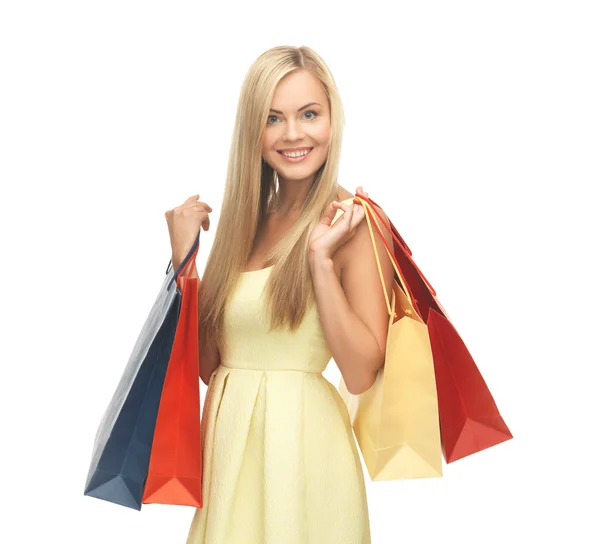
[[284, 290]]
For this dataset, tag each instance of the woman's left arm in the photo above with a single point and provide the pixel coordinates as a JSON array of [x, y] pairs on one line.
[[353, 311]]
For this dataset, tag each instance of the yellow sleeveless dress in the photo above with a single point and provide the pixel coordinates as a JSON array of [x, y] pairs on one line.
[[280, 463]]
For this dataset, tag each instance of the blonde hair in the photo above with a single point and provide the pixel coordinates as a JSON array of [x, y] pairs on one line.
[[250, 191]]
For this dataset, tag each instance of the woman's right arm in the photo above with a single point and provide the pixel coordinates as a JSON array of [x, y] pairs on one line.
[[184, 224], [209, 356]]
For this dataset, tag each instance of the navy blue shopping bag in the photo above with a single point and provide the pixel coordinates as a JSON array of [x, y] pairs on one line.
[[123, 443]]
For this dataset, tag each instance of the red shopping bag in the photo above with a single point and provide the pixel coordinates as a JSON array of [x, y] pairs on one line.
[[175, 470], [469, 418]]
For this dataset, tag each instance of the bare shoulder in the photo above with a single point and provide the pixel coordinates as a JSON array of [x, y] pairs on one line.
[[344, 194]]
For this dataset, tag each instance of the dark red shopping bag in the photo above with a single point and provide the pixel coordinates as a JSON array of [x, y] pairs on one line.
[[469, 418], [175, 471]]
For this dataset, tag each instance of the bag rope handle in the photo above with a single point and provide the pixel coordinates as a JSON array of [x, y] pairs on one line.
[[401, 243], [407, 289], [368, 213]]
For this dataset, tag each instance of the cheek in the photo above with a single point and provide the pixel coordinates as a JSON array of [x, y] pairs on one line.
[[267, 142], [264, 148], [322, 133]]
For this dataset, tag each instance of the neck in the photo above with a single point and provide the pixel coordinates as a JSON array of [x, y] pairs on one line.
[[291, 196]]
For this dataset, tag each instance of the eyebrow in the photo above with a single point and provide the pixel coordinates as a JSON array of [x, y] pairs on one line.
[[299, 109]]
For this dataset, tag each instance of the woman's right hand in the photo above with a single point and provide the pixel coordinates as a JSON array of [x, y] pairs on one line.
[[184, 224]]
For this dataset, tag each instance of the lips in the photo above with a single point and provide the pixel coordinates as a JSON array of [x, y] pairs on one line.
[[280, 151], [292, 160]]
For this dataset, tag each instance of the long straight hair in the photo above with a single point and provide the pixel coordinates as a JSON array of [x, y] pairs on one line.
[[251, 190]]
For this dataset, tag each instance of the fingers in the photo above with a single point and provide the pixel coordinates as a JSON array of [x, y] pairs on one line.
[[329, 214], [194, 206], [192, 203], [347, 215], [357, 216], [353, 214]]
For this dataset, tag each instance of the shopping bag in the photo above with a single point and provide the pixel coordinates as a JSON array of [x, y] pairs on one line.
[[175, 469], [121, 451], [396, 421], [469, 417]]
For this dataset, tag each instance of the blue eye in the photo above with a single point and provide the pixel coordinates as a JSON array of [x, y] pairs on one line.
[[315, 114]]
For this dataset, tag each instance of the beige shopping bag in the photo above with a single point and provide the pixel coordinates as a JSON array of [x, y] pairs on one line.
[[396, 421]]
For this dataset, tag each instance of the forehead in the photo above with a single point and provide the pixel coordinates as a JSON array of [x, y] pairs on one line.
[[297, 89]]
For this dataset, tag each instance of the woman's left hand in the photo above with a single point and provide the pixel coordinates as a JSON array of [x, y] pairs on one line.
[[326, 239]]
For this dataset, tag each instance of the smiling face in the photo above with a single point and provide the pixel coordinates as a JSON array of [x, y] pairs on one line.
[[298, 121]]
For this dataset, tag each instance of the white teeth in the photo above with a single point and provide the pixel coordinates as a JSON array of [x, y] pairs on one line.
[[295, 153]]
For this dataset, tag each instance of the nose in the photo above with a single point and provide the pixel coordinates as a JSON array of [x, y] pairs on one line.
[[292, 131]]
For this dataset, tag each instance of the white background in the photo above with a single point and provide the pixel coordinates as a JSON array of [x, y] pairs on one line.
[[474, 124]]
